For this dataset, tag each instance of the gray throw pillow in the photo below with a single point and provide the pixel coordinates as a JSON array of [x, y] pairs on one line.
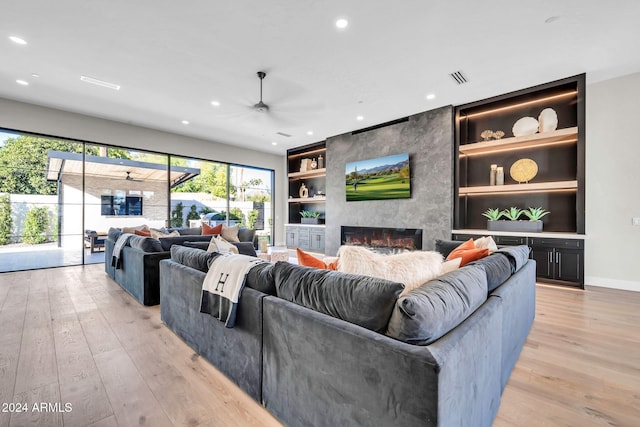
[[362, 300], [145, 244], [497, 267], [192, 257], [433, 309]]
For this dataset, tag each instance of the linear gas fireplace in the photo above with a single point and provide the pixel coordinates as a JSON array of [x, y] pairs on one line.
[[388, 240]]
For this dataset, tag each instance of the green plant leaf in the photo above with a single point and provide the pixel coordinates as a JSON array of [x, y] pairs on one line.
[[512, 213], [493, 214], [535, 214]]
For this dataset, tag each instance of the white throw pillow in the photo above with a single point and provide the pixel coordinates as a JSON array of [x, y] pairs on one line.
[[230, 233], [159, 234], [411, 268], [450, 265], [224, 247], [213, 247], [486, 242]]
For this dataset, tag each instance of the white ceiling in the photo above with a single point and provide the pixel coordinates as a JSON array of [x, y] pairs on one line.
[[173, 58]]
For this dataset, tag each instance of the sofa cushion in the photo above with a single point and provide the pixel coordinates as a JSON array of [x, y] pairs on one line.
[[143, 233], [192, 257], [167, 242], [468, 252], [246, 234], [433, 309], [114, 233], [230, 232], [260, 278], [163, 232], [364, 301], [245, 248], [410, 268], [132, 230], [517, 255], [197, 245], [187, 231], [446, 246], [145, 244], [497, 267], [207, 230], [219, 244]]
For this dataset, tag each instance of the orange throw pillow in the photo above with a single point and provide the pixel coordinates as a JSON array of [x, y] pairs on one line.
[[143, 233], [309, 260], [468, 252], [208, 230]]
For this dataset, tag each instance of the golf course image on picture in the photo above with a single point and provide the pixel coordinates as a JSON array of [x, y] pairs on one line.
[[378, 179]]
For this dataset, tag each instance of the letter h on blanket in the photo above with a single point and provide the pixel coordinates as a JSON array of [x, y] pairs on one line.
[[223, 285]]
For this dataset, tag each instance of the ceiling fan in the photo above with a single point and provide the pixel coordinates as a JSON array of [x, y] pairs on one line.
[[261, 106], [130, 178]]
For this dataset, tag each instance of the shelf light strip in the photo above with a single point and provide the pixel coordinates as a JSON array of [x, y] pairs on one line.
[[500, 193], [523, 147], [509, 107]]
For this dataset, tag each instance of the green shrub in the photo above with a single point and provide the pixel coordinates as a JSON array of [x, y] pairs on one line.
[[6, 222], [176, 216], [252, 217], [193, 213], [36, 224]]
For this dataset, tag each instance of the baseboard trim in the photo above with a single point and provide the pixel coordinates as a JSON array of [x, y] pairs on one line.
[[604, 282]]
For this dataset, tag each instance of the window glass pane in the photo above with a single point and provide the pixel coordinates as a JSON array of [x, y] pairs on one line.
[[124, 188], [201, 196], [36, 203], [251, 199]]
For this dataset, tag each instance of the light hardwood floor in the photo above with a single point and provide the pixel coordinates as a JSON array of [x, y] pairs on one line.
[[71, 335]]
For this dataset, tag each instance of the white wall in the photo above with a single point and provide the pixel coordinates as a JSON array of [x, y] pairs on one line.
[[32, 118], [612, 256]]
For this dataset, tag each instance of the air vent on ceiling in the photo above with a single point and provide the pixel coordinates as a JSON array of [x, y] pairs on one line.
[[459, 77], [283, 134]]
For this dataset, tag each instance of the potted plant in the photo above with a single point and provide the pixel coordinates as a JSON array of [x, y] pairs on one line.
[[310, 217], [514, 223]]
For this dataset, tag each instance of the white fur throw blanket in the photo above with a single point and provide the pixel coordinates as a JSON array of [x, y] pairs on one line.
[[410, 268]]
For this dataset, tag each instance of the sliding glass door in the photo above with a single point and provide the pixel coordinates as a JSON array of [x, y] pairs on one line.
[[41, 223]]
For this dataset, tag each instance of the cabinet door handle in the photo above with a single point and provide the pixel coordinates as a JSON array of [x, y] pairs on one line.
[[550, 257], [559, 262]]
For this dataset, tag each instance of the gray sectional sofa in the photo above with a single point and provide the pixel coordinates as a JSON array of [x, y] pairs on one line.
[[139, 272], [323, 348]]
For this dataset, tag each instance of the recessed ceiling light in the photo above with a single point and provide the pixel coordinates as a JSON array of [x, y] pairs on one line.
[[35, 75], [17, 40], [342, 23], [98, 82], [215, 103], [22, 82], [309, 132], [431, 96], [274, 143], [185, 122], [360, 118]]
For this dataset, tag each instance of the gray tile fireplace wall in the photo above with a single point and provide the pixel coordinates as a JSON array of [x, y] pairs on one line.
[[428, 138]]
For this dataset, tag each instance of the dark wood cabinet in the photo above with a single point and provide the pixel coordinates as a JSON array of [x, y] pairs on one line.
[[557, 260]]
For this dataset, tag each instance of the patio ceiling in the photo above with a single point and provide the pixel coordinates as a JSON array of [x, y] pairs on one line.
[[63, 162]]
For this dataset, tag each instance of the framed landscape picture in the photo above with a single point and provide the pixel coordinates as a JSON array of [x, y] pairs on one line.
[[379, 179]]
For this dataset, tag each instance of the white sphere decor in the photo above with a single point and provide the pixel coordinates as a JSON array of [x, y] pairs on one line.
[[525, 126], [548, 120]]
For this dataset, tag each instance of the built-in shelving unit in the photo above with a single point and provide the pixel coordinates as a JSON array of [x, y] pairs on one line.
[[313, 176], [558, 186]]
